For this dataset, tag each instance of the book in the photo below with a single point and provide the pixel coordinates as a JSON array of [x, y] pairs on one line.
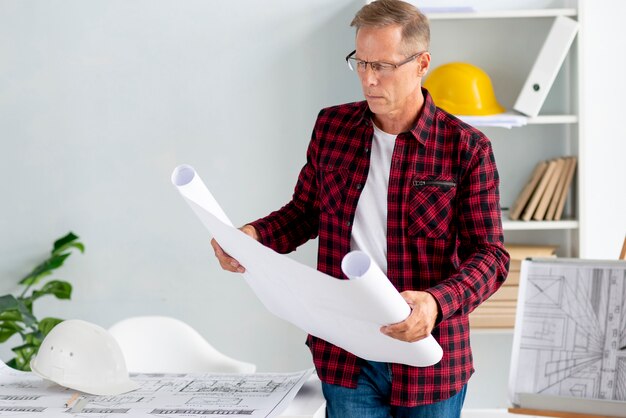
[[548, 194], [558, 190], [568, 181], [541, 187], [522, 199]]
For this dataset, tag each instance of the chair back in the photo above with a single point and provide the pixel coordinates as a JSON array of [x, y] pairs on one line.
[[161, 344]]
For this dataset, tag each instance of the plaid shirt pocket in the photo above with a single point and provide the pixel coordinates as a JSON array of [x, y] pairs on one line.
[[431, 207]]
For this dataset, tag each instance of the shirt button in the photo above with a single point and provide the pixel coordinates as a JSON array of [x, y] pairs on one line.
[[359, 186], [367, 150], [348, 223]]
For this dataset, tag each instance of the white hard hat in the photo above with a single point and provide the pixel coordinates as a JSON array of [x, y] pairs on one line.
[[85, 357]]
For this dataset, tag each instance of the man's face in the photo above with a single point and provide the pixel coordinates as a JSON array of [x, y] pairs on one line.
[[391, 93]]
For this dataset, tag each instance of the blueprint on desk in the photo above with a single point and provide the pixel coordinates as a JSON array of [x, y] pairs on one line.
[[204, 394], [570, 331]]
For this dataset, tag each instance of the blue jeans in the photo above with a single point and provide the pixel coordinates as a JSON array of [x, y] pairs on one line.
[[371, 398]]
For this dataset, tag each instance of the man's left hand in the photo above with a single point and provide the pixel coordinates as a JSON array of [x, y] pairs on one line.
[[420, 322]]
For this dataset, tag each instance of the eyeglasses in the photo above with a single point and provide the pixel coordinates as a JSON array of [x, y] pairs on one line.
[[378, 67]]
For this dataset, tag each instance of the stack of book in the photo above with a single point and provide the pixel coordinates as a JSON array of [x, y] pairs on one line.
[[543, 198], [499, 310]]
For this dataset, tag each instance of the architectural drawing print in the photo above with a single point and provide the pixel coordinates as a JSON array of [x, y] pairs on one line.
[[261, 395], [203, 412], [208, 400], [573, 333], [238, 384], [119, 401], [19, 397]]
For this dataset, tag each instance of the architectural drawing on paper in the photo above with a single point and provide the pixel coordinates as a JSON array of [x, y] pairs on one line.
[[161, 385], [25, 384], [204, 412], [91, 412], [217, 400], [22, 409], [573, 334], [19, 397], [119, 400], [261, 395], [238, 384]]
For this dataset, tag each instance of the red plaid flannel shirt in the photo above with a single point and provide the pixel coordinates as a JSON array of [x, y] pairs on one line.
[[444, 231]]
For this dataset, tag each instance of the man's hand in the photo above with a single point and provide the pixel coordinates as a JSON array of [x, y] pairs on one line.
[[226, 261], [421, 321]]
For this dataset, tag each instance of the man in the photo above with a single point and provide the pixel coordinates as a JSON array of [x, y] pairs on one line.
[[417, 190]]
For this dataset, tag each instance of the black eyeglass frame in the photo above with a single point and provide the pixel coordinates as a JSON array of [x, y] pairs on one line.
[[350, 56]]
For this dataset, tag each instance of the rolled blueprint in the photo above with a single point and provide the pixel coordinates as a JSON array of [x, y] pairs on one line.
[[347, 313], [357, 265], [190, 185]]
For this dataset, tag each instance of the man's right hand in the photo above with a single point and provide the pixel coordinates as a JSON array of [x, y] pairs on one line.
[[226, 261]]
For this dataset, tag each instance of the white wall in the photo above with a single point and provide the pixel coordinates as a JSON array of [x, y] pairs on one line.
[[100, 100], [604, 150]]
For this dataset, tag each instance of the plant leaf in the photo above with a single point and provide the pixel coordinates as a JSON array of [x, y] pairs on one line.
[[13, 363], [58, 288], [7, 302], [23, 354], [8, 329], [28, 318], [35, 338], [44, 269], [11, 315], [67, 242], [46, 325]]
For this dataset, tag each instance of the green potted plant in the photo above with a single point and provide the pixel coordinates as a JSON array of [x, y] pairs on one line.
[[16, 312]]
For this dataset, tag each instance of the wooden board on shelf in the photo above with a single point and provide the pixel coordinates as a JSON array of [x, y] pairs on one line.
[[512, 278], [491, 321], [520, 252], [505, 293]]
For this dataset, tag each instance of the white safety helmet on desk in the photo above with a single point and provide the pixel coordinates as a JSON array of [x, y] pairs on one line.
[[85, 357]]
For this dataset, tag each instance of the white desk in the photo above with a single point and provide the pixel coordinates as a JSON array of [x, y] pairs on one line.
[[309, 402], [492, 413]]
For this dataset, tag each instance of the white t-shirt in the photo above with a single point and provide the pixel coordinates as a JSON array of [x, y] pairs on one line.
[[369, 232]]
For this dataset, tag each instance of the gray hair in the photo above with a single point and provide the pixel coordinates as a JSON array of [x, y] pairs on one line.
[[381, 13]]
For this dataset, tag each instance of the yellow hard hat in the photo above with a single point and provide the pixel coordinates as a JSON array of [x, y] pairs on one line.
[[462, 89]]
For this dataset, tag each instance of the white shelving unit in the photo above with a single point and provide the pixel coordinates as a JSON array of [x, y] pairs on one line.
[[503, 14], [504, 43], [504, 39]]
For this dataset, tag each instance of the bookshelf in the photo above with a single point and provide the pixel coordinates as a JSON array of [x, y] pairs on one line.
[[504, 39], [504, 43], [503, 14]]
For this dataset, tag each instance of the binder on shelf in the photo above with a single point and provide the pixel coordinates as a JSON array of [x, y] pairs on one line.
[[548, 194], [563, 197], [522, 199], [546, 67], [541, 187]]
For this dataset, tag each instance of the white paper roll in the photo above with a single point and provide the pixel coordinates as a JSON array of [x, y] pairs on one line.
[[358, 265]]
